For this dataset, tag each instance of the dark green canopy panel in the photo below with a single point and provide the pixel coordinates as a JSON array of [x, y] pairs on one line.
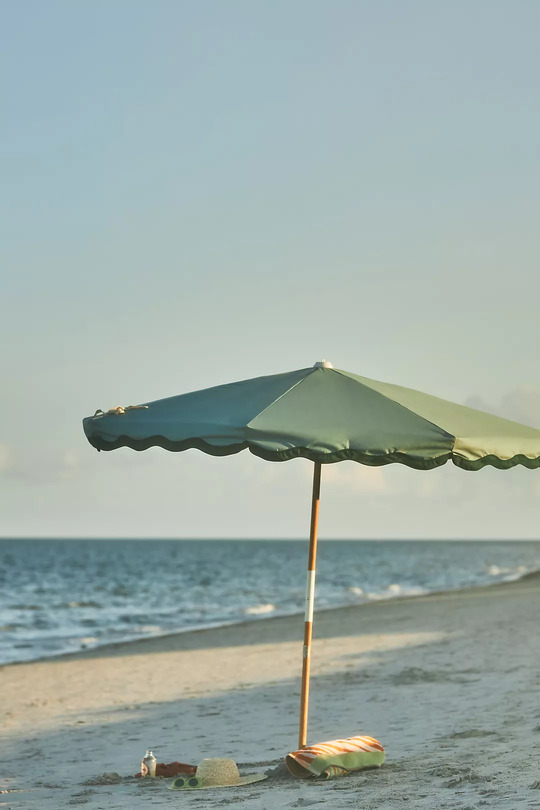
[[322, 414]]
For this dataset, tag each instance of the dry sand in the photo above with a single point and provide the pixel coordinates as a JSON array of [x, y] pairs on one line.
[[448, 684]]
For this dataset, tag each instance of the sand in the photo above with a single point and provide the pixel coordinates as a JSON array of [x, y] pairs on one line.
[[447, 683]]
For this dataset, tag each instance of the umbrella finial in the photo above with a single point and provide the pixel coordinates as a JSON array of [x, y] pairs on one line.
[[323, 364]]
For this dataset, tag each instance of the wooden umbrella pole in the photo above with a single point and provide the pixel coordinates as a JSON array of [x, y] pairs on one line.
[[310, 594]]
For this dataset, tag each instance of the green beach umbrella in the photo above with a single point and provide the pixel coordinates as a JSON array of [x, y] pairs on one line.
[[325, 415]]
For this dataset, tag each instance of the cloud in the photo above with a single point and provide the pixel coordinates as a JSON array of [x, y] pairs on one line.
[[522, 404], [37, 468], [8, 465], [356, 477], [69, 466]]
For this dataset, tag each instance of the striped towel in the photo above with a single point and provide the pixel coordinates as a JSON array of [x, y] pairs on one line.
[[333, 771], [335, 758]]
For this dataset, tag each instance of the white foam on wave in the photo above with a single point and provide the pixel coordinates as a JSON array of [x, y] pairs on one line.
[[395, 591], [495, 571], [517, 573], [509, 574], [259, 610]]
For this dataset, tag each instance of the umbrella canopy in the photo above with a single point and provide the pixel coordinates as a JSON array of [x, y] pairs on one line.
[[325, 415], [322, 414]]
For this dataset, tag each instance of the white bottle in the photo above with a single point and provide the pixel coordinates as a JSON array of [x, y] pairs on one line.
[[148, 764]]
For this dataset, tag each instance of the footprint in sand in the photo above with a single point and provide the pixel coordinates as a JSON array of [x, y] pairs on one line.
[[472, 732]]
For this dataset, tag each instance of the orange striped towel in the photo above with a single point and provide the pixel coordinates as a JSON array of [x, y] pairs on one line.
[[335, 758]]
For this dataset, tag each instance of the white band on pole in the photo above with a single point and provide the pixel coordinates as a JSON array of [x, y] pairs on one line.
[[310, 592]]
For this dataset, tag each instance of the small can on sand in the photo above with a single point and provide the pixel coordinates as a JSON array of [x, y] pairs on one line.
[[148, 764]]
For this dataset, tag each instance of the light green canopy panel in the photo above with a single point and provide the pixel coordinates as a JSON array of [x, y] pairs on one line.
[[325, 415]]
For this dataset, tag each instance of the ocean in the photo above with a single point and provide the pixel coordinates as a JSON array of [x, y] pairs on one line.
[[59, 596]]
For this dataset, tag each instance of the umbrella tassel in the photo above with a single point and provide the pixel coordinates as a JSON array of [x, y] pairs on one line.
[[310, 596]]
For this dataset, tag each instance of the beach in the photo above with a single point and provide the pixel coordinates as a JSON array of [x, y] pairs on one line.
[[447, 682]]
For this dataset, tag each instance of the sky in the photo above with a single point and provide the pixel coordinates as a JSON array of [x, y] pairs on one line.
[[200, 192]]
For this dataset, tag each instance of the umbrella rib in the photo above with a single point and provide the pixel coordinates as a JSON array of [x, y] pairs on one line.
[[271, 404], [405, 408]]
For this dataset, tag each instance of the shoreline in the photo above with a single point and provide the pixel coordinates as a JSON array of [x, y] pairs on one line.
[[94, 651]]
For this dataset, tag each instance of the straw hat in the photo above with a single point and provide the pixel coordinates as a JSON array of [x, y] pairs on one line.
[[215, 773]]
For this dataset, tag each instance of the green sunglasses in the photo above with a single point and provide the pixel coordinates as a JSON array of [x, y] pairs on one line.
[[186, 782]]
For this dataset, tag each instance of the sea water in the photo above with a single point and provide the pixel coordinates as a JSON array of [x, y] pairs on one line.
[[60, 596]]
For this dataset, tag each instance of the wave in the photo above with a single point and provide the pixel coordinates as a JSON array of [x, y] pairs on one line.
[[531, 575], [515, 573], [89, 604], [260, 610], [396, 591]]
